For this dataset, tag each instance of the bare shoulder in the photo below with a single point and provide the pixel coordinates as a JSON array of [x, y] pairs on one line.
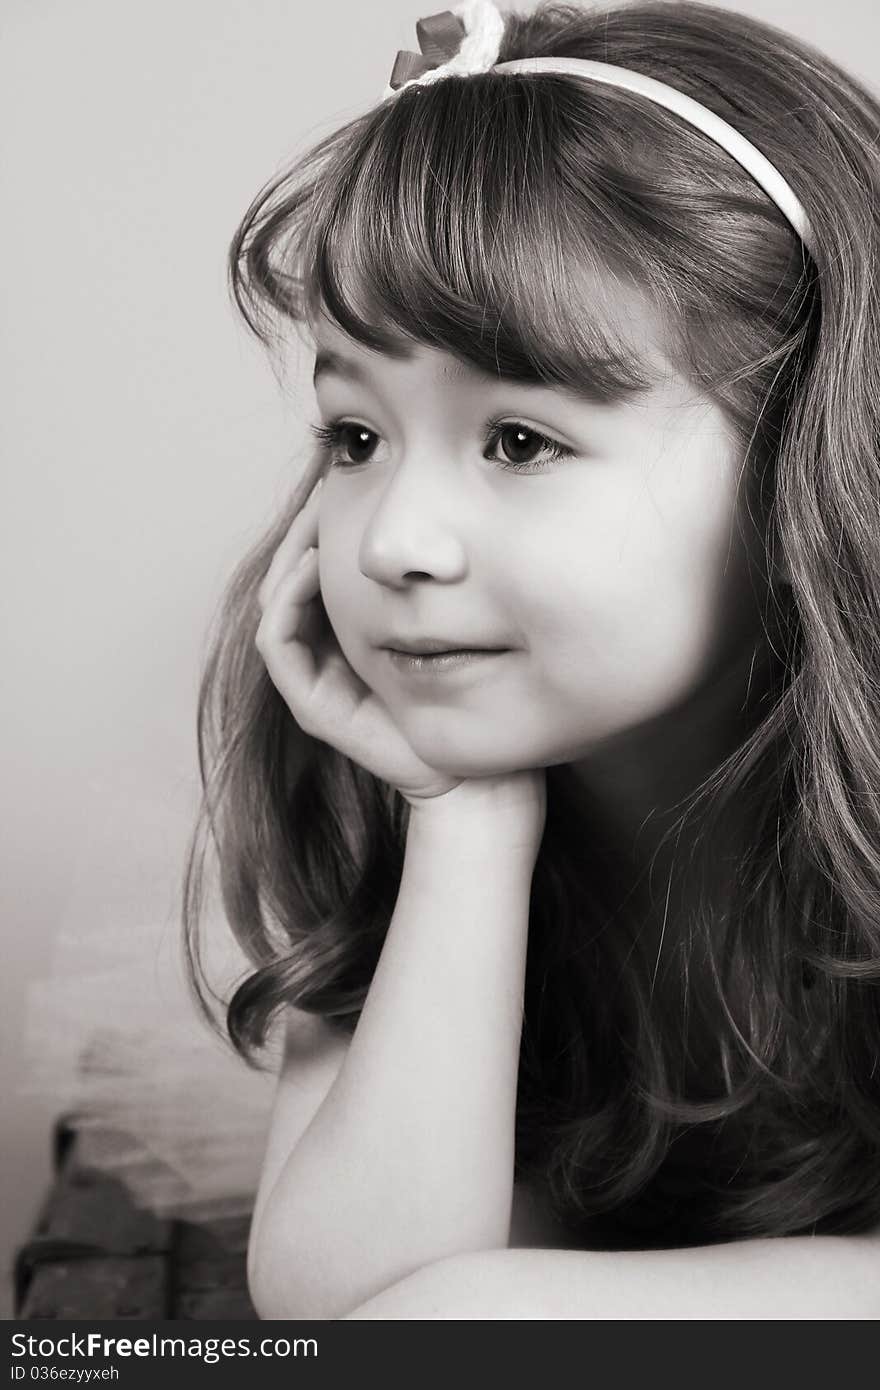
[[310, 1039], [314, 1050]]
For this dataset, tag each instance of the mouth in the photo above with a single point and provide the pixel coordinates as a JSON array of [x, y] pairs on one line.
[[437, 646], [434, 663]]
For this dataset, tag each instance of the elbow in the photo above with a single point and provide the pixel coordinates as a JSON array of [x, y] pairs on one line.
[[273, 1291], [275, 1298], [255, 1283], [280, 1287]]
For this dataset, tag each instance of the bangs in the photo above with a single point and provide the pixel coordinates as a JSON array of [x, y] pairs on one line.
[[451, 221]]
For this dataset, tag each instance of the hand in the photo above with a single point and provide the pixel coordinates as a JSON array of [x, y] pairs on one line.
[[330, 702]]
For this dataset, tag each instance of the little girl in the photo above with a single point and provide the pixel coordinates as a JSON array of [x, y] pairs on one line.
[[540, 741]]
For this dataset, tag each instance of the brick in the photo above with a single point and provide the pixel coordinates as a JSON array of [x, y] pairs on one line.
[[113, 1286], [197, 1240], [93, 1209], [220, 1304]]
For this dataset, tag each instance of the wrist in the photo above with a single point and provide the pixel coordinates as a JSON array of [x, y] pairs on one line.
[[494, 816]]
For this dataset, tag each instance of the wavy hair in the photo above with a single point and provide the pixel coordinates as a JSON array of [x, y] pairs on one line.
[[482, 215]]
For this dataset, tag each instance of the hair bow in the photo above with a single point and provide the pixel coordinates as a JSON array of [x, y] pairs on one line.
[[439, 37], [458, 42]]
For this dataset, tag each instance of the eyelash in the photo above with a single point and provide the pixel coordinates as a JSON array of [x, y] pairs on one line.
[[330, 438]]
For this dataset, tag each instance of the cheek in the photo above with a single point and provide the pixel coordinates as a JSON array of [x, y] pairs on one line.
[[583, 586], [629, 613], [342, 588]]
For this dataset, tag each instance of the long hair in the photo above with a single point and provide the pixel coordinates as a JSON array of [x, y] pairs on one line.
[[484, 215]]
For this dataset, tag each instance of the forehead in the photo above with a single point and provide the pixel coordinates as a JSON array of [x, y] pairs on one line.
[[628, 312]]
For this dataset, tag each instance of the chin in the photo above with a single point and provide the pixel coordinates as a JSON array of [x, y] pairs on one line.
[[465, 752]]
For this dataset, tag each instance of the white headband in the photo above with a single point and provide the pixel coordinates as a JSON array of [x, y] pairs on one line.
[[467, 39]]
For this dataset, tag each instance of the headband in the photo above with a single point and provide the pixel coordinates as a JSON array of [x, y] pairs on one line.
[[467, 40]]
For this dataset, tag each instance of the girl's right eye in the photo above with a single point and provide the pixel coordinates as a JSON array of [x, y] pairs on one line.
[[333, 439]]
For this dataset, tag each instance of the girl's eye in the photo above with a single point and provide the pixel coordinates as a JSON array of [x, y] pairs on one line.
[[344, 435], [518, 440], [335, 436]]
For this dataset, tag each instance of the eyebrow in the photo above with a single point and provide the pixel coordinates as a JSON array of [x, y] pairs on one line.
[[329, 363]]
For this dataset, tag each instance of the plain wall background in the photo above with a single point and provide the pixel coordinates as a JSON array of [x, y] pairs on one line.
[[145, 441]]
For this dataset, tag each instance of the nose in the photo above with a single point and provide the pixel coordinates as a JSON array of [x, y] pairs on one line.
[[414, 529]]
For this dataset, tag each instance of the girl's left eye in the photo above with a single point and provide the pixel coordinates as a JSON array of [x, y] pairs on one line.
[[336, 437]]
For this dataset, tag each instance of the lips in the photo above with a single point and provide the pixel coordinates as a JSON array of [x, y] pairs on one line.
[[426, 646]]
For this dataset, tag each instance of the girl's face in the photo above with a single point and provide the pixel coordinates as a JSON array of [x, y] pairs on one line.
[[597, 546]]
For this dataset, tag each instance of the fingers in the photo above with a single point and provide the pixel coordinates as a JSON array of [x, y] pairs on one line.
[[281, 635], [312, 676], [303, 532]]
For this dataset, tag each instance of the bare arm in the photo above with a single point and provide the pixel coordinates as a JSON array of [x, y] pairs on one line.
[[313, 1054], [409, 1158], [794, 1277]]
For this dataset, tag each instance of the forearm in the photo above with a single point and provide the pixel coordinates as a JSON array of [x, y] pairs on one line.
[[796, 1277], [410, 1157]]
